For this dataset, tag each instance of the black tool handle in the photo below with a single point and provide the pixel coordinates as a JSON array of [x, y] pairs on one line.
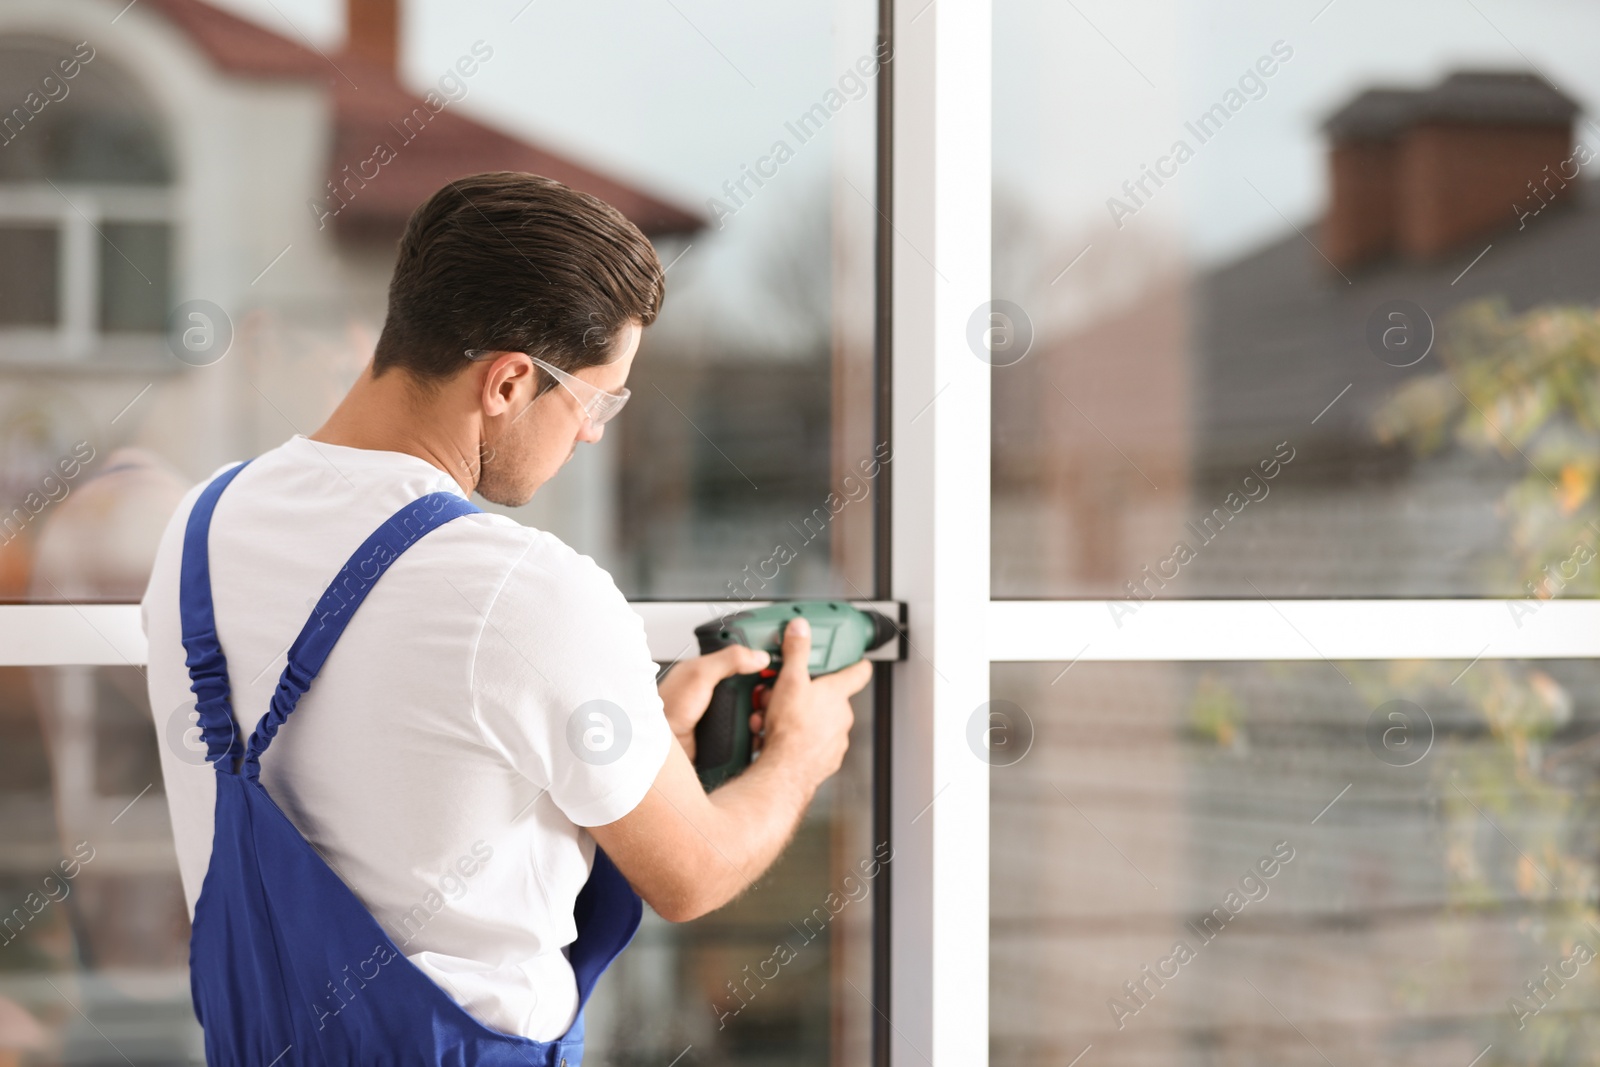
[[722, 736]]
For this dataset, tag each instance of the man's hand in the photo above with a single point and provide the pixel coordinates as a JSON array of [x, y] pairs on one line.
[[686, 690], [806, 720], [688, 852]]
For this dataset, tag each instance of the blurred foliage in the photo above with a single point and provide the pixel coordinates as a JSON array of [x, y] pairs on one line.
[[1519, 385], [1516, 828], [1516, 801], [1216, 714]]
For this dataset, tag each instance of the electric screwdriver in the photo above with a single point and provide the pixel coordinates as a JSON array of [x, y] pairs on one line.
[[840, 635]]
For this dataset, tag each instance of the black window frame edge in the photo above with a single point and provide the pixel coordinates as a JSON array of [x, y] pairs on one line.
[[883, 684]]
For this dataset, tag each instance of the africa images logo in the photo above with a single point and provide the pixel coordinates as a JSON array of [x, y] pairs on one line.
[[599, 732]]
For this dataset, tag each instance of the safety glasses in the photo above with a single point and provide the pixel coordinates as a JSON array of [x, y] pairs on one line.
[[598, 405]]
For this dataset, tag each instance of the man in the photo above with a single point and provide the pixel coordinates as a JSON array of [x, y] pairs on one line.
[[491, 711]]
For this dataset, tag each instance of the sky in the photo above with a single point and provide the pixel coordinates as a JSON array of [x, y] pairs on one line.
[[673, 96], [1091, 90], [676, 95]]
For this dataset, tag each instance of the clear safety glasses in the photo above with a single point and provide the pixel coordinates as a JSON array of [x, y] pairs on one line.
[[597, 404]]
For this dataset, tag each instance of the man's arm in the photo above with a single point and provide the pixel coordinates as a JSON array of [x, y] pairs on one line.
[[688, 852]]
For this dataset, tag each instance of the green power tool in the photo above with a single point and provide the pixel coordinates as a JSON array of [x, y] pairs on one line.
[[840, 635]]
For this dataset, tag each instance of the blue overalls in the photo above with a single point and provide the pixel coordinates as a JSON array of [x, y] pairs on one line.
[[287, 967]]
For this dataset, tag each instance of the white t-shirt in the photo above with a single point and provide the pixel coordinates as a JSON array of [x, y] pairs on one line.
[[447, 755]]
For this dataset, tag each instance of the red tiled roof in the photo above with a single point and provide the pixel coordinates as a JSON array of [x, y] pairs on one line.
[[370, 107], [238, 46]]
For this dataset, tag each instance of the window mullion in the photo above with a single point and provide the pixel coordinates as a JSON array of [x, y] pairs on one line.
[[939, 933], [80, 275]]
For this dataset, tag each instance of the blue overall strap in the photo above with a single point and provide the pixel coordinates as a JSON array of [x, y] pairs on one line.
[[339, 603], [208, 669]]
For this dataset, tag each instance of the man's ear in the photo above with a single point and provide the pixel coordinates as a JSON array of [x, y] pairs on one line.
[[508, 385]]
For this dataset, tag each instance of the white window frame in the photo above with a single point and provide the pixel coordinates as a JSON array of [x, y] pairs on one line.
[[939, 531]]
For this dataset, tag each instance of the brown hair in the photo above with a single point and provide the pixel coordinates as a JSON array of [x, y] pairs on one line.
[[506, 260]]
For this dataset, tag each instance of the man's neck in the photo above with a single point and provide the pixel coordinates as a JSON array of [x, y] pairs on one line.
[[383, 414]]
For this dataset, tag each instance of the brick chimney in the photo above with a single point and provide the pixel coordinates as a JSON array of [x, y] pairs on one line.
[[1363, 158], [372, 31], [1423, 173]]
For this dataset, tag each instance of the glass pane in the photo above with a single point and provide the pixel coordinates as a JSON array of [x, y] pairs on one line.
[[766, 980], [1294, 863], [1306, 309], [94, 933], [750, 424], [81, 792], [135, 267], [741, 142], [29, 269]]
